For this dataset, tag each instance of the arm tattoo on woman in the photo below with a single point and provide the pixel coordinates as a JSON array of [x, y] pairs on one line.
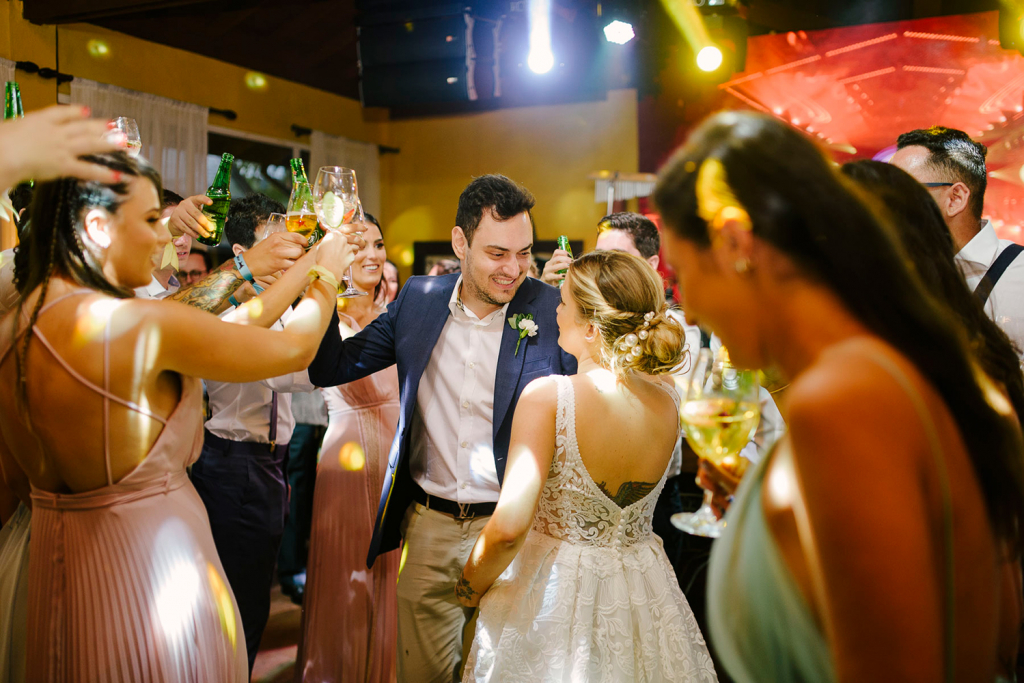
[[463, 590], [629, 492], [211, 292]]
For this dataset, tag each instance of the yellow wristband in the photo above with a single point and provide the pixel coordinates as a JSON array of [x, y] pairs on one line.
[[321, 273]]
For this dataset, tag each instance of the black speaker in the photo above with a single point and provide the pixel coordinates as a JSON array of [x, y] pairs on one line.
[[434, 38], [425, 54]]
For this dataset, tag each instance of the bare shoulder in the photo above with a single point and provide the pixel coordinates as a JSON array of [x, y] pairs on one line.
[[540, 393], [850, 405]]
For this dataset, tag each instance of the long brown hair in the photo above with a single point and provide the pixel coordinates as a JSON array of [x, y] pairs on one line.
[[55, 245], [801, 205]]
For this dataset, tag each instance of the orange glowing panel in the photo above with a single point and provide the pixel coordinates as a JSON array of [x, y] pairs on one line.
[[856, 88]]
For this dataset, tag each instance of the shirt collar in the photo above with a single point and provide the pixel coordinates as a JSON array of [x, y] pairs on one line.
[[154, 288], [463, 313], [983, 247]]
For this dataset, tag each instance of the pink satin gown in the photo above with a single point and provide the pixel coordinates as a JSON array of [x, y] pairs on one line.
[[125, 583], [350, 620]]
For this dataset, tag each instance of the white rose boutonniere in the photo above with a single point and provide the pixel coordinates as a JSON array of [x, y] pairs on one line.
[[523, 323]]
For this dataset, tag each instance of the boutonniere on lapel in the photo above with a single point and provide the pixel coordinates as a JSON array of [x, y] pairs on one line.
[[524, 325]]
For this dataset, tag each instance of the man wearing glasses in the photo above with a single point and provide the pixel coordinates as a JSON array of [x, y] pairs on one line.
[[952, 166]]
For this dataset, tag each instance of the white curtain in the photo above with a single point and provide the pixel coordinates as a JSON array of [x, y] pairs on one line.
[[361, 157], [173, 133], [6, 70]]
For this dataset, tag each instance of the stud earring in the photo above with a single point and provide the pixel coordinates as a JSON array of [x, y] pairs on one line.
[[742, 266]]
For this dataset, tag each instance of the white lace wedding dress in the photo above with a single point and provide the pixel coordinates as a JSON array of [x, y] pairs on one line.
[[591, 595]]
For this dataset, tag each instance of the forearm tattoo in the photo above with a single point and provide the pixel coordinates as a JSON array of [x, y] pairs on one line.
[[211, 292], [629, 492], [463, 590]]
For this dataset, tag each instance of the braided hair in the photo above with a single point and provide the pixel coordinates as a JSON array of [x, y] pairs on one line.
[[54, 245]]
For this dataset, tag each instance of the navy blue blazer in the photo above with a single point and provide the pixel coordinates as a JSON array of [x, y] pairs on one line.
[[406, 335]]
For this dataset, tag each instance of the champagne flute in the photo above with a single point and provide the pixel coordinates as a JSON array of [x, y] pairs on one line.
[[131, 133], [719, 416], [336, 197], [277, 222]]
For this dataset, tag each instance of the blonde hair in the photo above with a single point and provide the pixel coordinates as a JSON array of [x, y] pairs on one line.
[[616, 291]]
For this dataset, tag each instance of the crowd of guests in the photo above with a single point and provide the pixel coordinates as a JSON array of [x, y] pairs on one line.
[[488, 443]]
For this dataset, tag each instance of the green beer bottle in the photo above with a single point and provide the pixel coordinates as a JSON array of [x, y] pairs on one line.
[[12, 101], [563, 244], [14, 110], [220, 193], [301, 216]]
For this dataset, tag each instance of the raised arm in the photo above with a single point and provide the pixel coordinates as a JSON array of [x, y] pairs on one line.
[[198, 344], [529, 458], [372, 349], [277, 252]]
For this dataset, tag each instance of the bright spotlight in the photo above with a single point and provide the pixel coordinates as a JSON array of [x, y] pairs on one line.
[[541, 59], [709, 58], [619, 32]]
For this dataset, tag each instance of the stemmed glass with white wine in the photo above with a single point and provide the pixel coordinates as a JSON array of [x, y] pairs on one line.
[[131, 133], [719, 415], [336, 197]]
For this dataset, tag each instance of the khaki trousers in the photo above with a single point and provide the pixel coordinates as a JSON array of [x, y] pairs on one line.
[[430, 620]]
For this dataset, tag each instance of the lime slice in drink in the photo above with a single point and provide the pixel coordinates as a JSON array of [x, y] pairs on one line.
[[333, 210]]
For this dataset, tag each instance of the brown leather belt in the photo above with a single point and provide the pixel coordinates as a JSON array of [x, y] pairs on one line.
[[460, 511]]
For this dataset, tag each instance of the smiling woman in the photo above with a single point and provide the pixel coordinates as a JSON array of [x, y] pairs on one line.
[[92, 360], [349, 635]]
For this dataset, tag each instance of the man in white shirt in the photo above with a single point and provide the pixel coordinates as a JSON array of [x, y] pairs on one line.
[[952, 166], [240, 473], [461, 368]]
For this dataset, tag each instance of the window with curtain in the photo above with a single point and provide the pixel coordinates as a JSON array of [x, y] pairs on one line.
[[260, 166], [174, 134], [6, 70], [362, 157]]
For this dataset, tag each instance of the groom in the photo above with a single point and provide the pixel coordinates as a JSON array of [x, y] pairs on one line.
[[461, 368]]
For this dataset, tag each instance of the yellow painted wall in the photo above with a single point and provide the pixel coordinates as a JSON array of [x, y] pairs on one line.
[[549, 149]]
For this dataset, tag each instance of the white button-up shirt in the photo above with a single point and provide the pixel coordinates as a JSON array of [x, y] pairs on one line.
[[155, 290], [452, 453], [1005, 304], [241, 412]]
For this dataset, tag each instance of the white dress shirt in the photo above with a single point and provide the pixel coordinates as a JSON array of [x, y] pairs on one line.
[[452, 455], [1005, 304], [770, 426], [241, 412], [155, 290]]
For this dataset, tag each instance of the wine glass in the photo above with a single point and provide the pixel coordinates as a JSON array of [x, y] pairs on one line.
[[336, 197], [719, 415], [277, 222], [131, 133]]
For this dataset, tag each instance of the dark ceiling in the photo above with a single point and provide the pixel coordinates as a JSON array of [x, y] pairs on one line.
[[314, 42]]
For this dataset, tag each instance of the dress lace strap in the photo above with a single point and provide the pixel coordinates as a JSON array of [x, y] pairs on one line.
[[565, 416]]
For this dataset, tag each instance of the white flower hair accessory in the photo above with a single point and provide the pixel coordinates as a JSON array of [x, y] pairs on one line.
[[630, 344]]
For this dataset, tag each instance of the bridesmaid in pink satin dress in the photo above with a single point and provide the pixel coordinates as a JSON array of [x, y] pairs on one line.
[[350, 620], [100, 411]]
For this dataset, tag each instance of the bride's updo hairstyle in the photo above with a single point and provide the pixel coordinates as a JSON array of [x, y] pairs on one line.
[[623, 297]]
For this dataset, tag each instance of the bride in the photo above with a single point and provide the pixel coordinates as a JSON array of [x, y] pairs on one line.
[[572, 583]]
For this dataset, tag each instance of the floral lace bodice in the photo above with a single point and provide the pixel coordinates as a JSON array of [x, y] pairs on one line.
[[572, 507]]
